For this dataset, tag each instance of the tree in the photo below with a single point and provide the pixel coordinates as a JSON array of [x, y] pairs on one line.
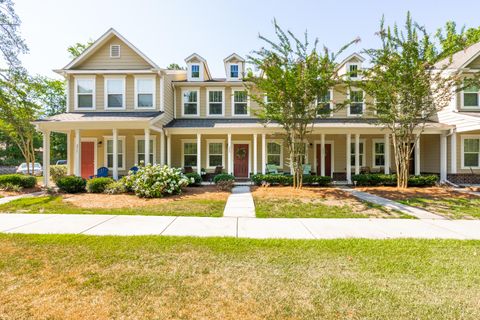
[[174, 66], [78, 48], [11, 43], [407, 87], [452, 41], [293, 75]]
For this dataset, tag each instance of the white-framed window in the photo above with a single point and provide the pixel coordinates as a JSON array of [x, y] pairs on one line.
[[378, 149], [325, 103], [109, 152], [145, 92], [471, 152], [240, 103], [84, 93], [215, 153], [361, 153], [215, 102], [234, 71], [352, 70], [275, 152], [115, 51], [189, 153], [140, 149], [190, 99], [357, 102], [115, 93], [195, 71], [471, 97]]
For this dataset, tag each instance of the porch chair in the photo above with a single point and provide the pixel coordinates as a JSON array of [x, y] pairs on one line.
[[271, 169], [307, 168], [187, 169], [102, 172]]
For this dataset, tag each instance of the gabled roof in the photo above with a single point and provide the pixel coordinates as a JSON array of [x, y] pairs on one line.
[[460, 59], [350, 57], [234, 55], [203, 60], [100, 41]]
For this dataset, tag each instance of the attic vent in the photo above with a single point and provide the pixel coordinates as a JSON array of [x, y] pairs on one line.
[[115, 51]]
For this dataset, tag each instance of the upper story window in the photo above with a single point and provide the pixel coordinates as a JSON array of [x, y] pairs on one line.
[[190, 102], [324, 104], [471, 97], [115, 51], [215, 102], [353, 70], [240, 102], [85, 93], [195, 71], [234, 71], [356, 103], [115, 93], [145, 93]]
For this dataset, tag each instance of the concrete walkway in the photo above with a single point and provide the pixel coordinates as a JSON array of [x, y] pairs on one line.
[[27, 195], [240, 203], [239, 227], [416, 212]]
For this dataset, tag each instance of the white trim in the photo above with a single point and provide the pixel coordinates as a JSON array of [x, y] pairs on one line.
[[198, 102], [95, 166], [154, 91], [183, 149], [330, 102], [153, 138], [207, 101], [228, 67], [162, 92], [363, 103], [75, 90], [67, 93], [462, 101], [222, 141], [234, 142], [119, 51], [378, 140], [359, 66], [462, 153], [105, 97], [277, 141], [332, 158], [362, 163], [233, 104], [123, 153]]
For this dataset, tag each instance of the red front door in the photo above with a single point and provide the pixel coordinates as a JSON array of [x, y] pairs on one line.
[[328, 159], [88, 159], [240, 160]]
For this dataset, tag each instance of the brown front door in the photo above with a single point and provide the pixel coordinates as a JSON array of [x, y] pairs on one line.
[[88, 159], [240, 160], [328, 159]]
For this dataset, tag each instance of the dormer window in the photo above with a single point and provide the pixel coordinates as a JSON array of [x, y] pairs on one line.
[[234, 71], [195, 71], [353, 70], [471, 97], [115, 51]]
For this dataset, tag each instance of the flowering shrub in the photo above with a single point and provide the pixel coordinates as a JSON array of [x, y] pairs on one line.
[[155, 181]]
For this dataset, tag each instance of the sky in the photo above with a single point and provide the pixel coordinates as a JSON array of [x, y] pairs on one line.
[[169, 31]]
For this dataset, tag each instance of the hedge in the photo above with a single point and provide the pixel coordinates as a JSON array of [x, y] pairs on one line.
[[376, 179], [19, 180], [197, 179], [287, 180], [98, 185], [71, 184], [223, 177]]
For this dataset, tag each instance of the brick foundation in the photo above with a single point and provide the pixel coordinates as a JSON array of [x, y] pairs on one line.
[[464, 178], [339, 176]]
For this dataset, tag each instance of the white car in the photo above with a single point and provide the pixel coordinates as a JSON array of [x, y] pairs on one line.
[[22, 169]]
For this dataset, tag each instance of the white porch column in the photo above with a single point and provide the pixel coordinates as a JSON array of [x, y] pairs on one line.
[[69, 153], [229, 153], [115, 153], [199, 153], [147, 146], [78, 151], [264, 153], [386, 145], [162, 148], [417, 156], [46, 157], [453, 153], [443, 157], [357, 153], [255, 160], [322, 154], [169, 150], [349, 159]]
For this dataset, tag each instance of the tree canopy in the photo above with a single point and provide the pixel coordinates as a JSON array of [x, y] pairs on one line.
[[78, 48], [451, 40]]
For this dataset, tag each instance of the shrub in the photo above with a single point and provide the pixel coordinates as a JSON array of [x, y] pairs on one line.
[[116, 187], [372, 180], [11, 187], [18, 180], [57, 172], [98, 185], [287, 180], [195, 178], [225, 185], [71, 184], [155, 181], [422, 181], [223, 177]]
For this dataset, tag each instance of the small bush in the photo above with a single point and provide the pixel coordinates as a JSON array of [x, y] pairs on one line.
[[10, 187], [57, 172], [287, 180], [18, 180], [390, 180], [71, 184], [225, 185], [195, 179], [422, 181], [223, 177], [98, 185], [116, 187]]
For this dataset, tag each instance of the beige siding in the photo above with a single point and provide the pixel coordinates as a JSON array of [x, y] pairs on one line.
[[430, 153]]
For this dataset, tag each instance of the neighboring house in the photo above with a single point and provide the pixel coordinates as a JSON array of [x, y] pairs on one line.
[[123, 109]]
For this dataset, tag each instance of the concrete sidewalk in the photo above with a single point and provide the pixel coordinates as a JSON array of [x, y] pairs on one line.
[[239, 227], [27, 195], [240, 203]]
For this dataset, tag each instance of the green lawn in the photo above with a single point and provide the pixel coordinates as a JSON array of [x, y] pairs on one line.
[[454, 208], [75, 277], [55, 204]]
